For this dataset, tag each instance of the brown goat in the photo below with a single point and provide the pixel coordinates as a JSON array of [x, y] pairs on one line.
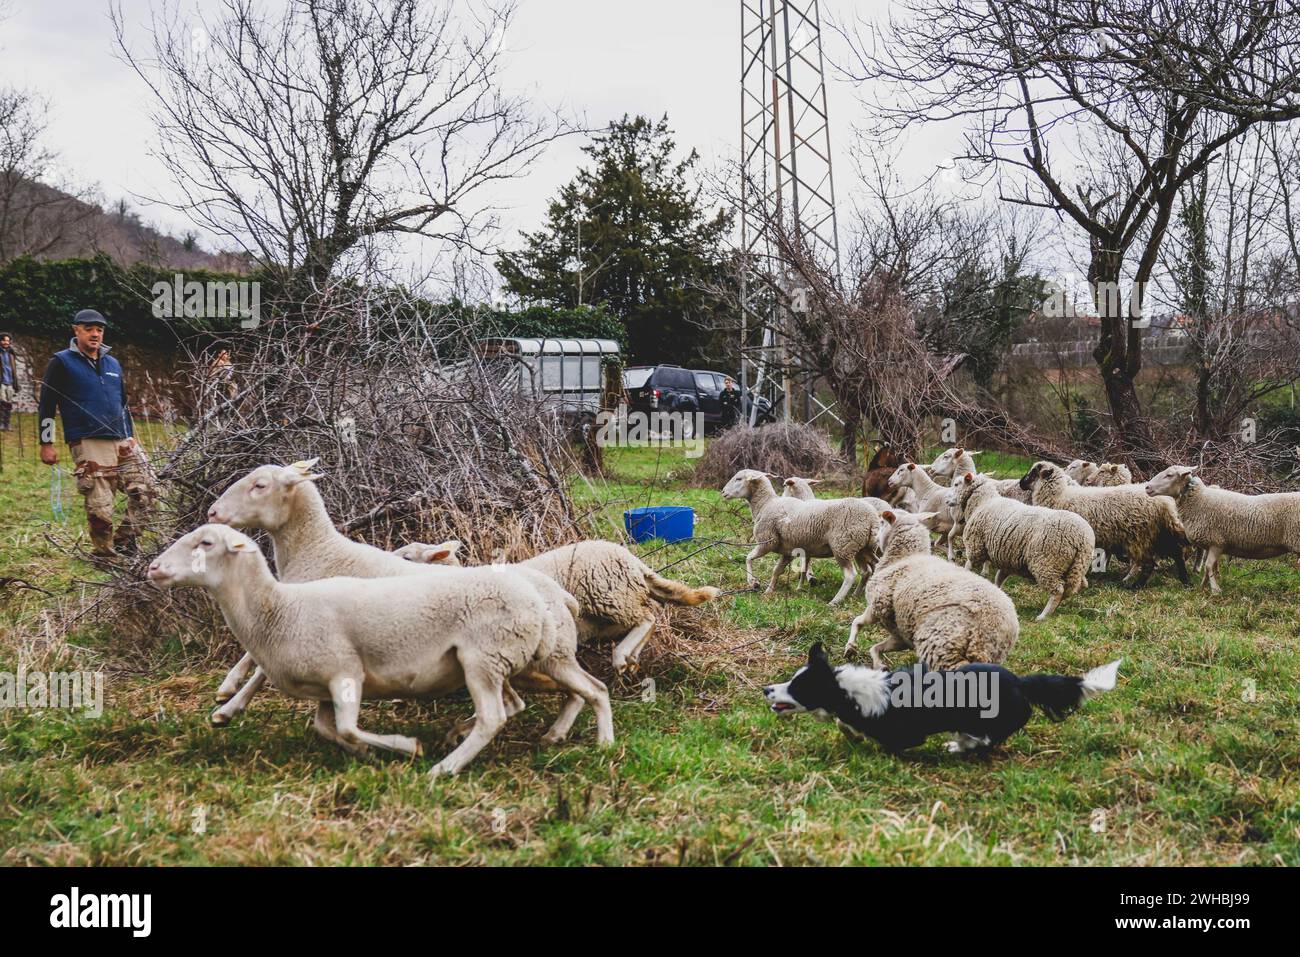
[[876, 480]]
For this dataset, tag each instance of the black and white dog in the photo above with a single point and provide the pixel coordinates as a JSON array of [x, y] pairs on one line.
[[983, 704]]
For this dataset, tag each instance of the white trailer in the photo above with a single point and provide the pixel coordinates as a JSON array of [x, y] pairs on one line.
[[575, 375]]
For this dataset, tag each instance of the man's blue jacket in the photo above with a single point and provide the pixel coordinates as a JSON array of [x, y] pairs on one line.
[[90, 395]]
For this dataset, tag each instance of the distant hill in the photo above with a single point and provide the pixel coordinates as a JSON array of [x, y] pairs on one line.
[[47, 223]]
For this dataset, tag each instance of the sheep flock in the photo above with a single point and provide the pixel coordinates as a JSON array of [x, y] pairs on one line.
[[338, 622]]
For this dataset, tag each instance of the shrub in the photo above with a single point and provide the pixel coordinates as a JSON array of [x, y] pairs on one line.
[[782, 448]]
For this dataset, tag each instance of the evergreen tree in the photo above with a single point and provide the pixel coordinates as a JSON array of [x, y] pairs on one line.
[[630, 234]]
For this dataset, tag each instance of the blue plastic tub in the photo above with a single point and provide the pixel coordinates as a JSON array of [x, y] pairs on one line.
[[672, 523]]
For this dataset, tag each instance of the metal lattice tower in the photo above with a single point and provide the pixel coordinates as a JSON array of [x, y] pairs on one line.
[[785, 146]]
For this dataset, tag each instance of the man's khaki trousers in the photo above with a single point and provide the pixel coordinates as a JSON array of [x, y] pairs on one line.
[[107, 466]]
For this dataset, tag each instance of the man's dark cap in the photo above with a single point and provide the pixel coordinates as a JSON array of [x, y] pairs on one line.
[[88, 317]]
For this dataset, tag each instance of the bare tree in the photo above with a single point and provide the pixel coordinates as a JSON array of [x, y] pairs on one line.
[[1284, 150], [38, 214], [1098, 110], [305, 134], [1235, 286], [860, 331]]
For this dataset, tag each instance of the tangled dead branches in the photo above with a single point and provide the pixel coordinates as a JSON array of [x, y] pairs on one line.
[[416, 436]]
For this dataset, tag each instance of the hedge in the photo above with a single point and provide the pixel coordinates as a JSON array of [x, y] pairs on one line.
[[41, 297]]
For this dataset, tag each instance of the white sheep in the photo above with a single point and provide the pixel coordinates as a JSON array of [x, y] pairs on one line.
[[951, 616], [340, 641], [843, 529], [616, 591], [284, 501], [1223, 522], [1125, 520], [1053, 547], [1110, 474], [444, 553], [802, 489], [946, 466], [957, 462], [930, 498], [1081, 471], [950, 463]]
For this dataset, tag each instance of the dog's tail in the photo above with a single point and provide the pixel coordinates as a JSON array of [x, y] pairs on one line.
[[666, 589], [1058, 695]]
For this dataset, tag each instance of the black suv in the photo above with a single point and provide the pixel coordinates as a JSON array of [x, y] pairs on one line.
[[667, 388]]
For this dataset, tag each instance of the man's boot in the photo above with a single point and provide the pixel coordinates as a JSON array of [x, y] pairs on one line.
[[101, 537]]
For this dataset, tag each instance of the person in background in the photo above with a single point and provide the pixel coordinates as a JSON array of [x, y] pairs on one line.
[[730, 400], [86, 386], [8, 379], [221, 374]]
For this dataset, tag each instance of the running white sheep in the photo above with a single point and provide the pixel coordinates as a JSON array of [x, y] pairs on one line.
[[930, 497], [1050, 546], [843, 529], [284, 501], [946, 466], [951, 616], [1223, 522], [802, 489], [958, 461], [1125, 520], [616, 591], [340, 641], [950, 463]]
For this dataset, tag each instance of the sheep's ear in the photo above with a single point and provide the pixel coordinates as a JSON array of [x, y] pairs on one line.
[[977, 453], [889, 516], [1190, 469], [911, 466], [305, 465], [927, 519], [969, 478], [238, 545], [789, 483], [814, 481], [438, 554], [958, 450], [302, 475]]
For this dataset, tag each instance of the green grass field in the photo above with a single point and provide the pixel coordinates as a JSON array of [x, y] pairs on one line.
[[1193, 759]]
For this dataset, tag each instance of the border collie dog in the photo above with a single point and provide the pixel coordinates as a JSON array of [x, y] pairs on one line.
[[982, 704]]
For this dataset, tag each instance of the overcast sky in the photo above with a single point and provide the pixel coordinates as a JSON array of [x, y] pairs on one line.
[[596, 58]]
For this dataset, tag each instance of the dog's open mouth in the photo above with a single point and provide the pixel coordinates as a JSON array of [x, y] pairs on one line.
[[780, 707]]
